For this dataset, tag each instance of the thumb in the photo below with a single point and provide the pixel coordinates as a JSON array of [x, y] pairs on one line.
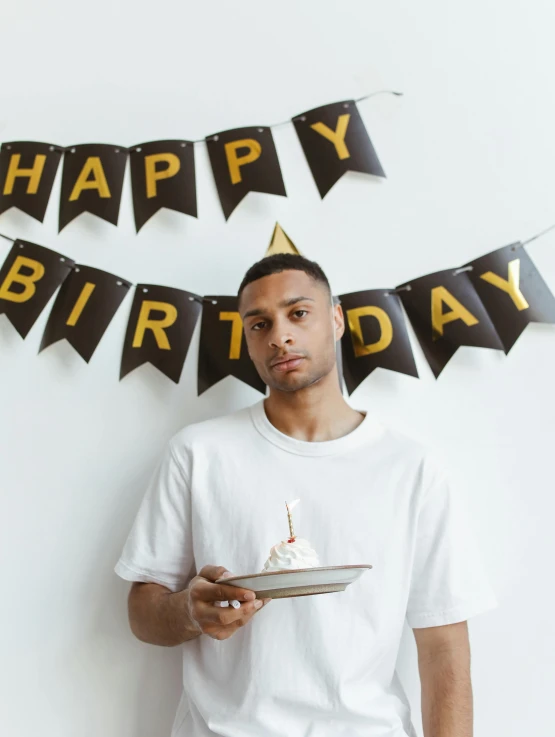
[[213, 573]]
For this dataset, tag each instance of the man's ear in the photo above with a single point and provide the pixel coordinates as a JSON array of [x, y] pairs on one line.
[[339, 321]]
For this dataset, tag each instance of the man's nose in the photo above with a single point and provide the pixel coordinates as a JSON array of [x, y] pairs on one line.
[[280, 337]]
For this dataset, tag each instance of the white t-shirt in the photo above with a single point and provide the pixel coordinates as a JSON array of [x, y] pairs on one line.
[[311, 666]]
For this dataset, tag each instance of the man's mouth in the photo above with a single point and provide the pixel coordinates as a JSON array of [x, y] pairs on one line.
[[286, 362]]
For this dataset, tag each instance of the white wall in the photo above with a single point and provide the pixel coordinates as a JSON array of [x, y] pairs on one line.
[[470, 158]]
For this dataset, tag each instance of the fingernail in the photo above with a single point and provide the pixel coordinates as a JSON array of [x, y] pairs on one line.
[[235, 604], [257, 604], [250, 596], [227, 574]]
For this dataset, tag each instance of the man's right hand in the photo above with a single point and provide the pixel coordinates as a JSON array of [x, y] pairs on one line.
[[214, 621]]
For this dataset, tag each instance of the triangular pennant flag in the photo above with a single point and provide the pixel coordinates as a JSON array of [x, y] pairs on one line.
[[24, 295], [84, 307], [512, 291], [335, 141], [446, 312], [375, 336], [160, 328], [281, 243], [222, 349], [244, 160]]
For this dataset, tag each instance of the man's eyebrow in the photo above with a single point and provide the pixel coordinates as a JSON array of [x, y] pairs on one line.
[[294, 300], [252, 313], [285, 303]]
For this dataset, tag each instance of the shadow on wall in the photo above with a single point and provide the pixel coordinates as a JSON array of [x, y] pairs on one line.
[[151, 697], [102, 663], [145, 705], [157, 693]]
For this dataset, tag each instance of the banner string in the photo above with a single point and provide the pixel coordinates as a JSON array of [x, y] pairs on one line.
[[538, 235], [462, 269], [299, 117], [405, 288], [71, 149]]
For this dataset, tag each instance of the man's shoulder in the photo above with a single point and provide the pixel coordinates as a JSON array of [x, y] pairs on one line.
[[416, 460], [212, 431], [414, 450]]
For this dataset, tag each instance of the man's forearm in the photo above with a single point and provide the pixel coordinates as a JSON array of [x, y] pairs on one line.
[[160, 617], [447, 708]]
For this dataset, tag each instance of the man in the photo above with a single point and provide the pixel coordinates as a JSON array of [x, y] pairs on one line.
[[314, 666]]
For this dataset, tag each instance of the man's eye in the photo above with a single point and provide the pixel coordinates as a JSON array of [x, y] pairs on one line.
[[301, 313], [258, 326]]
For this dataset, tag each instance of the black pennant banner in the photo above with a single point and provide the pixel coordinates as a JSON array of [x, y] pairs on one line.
[[512, 291], [27, 173], [244, 160], [333, 137], [86, 303], [92, 181], [163, 175], [222, 350], [28, 278], [446, 313], [375, 336], [487, 304], [160, 329], [335, 141]]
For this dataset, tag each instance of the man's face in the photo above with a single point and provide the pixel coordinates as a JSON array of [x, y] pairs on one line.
[[290, 329]]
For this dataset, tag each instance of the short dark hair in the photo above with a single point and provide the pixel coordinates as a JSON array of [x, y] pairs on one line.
[[283, 262]]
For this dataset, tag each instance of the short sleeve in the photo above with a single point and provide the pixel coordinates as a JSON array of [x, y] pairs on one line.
[[159, 548], [449, 582]]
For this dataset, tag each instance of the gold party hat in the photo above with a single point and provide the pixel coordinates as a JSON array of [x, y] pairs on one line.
[[281, 243]]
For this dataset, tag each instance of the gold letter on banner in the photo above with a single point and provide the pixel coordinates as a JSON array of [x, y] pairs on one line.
[[79, 306], [236, 333], [511, 286], [458, 311], [157, 326], [235, 162], [28, 280], [93, 166], [153, 175], [34, 174], [337, 137], [386, 329]]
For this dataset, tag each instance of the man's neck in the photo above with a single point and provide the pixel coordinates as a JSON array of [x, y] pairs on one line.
[[315, 414]]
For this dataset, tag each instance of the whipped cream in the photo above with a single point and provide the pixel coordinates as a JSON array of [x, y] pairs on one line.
[[289, 556]]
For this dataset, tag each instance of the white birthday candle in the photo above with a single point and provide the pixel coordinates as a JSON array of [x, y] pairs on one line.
[[290, 506]]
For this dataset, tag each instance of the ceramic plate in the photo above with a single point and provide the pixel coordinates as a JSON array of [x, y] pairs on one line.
[[300, 582]]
